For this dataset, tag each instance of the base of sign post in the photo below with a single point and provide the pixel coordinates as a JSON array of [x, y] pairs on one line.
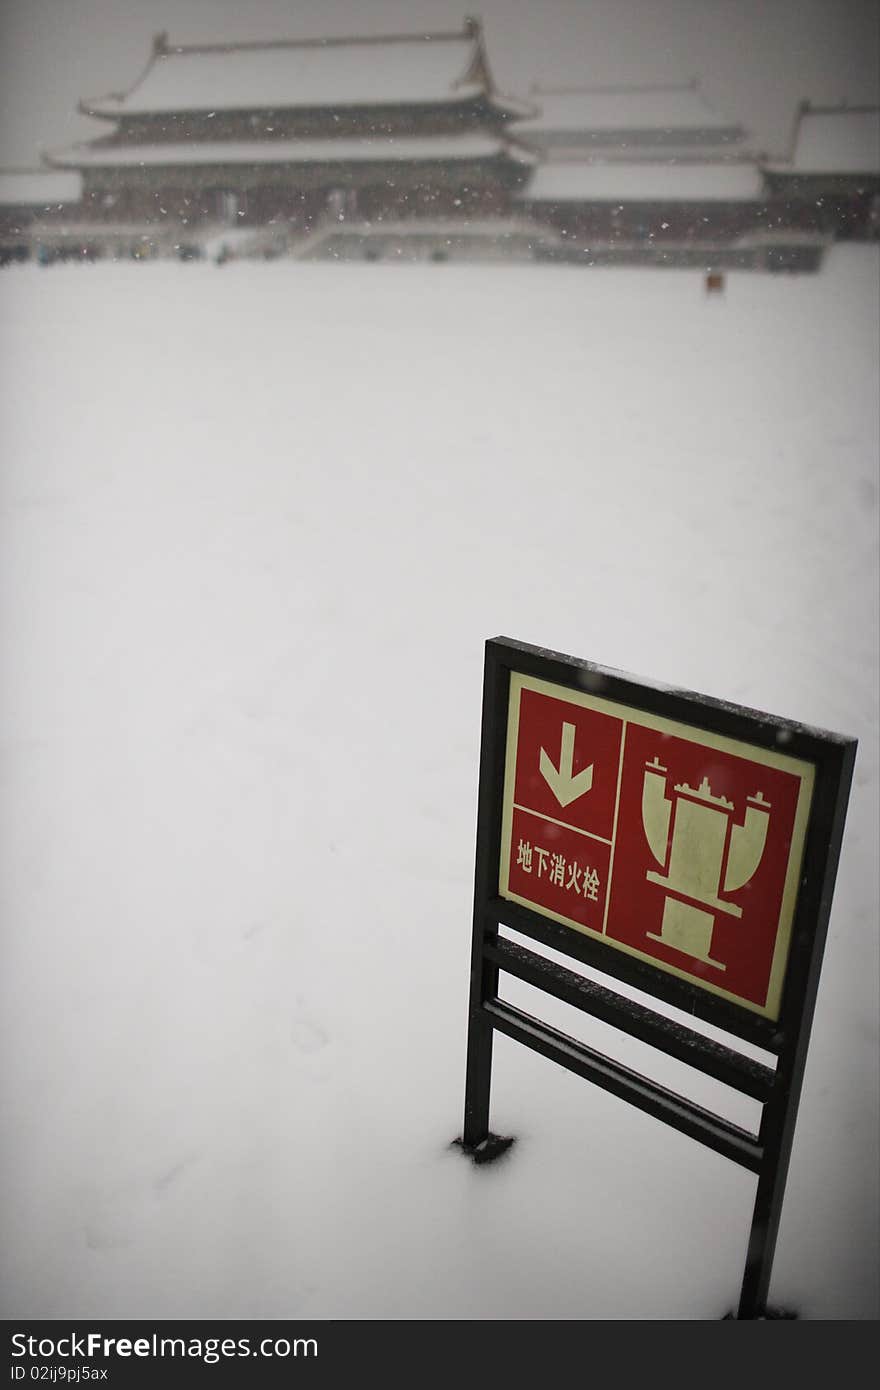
[[490, 1148], [768, 1315]]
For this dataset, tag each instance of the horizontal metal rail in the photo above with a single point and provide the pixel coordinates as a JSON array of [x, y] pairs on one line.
[[718, 1134], [713, 1058], [739, 1022]]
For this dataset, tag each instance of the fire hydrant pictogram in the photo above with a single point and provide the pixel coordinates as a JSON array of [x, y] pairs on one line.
[[702, 853]]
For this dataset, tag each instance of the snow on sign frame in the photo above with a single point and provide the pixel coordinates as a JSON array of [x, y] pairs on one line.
[[679, 844]]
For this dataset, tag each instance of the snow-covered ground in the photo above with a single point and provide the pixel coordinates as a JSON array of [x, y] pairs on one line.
[[256, 525]]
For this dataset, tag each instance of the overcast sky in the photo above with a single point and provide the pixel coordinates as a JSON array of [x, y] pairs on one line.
[[756, 58]]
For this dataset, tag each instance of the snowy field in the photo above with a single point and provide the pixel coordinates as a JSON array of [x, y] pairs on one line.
[[257, 523]]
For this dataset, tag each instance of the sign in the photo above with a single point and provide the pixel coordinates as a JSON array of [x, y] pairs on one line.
[[668, 842], [679, 844]]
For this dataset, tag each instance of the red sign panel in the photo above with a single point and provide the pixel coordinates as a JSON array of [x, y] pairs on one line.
[[668, 842]]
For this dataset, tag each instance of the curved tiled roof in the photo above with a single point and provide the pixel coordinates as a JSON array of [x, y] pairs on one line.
[[290, 74], [641, 181], [586, 110], [835, 140]]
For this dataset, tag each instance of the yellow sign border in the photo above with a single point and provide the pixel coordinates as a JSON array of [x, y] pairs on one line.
[[804, 771]]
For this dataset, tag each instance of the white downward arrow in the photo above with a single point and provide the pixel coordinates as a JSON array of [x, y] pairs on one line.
[[562, 784]]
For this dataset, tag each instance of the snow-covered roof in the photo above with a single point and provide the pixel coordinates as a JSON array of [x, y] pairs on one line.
[[38, 187], [397, 149], [641, 181], [613, 109], [836, 141], [304, 73]]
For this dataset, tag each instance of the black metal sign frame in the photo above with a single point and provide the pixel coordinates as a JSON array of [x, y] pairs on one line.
[[787, 1037]]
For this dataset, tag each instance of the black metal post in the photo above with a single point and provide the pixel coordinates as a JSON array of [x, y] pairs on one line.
[[780, 1111], [777, 1132], [476, 1136], [478, 1082]]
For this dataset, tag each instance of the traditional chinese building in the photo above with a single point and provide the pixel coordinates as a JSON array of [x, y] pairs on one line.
[[649, 122], [833, 171], [652, 175], [713, 216], [274, 142], [402, 146], [36, 206]]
